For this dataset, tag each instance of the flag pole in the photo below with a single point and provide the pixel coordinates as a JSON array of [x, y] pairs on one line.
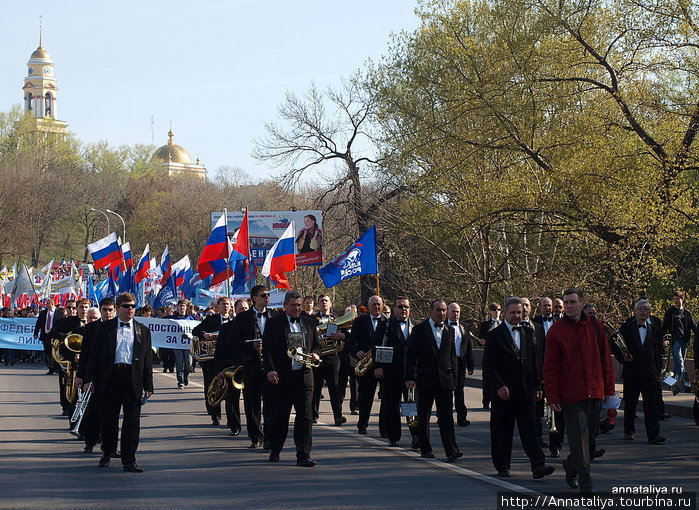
[[228, 257], [296, 283], [378, 287]]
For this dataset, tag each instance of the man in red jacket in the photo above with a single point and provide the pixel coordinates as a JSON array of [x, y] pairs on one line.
[[578, 374]]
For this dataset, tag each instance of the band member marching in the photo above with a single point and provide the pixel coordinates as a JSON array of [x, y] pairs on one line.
[[329, 369]]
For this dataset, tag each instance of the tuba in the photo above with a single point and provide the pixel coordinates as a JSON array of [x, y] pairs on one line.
[[73, 342], [218, 388], [328, 345], [302, 357], [620, 343], [202, 350]]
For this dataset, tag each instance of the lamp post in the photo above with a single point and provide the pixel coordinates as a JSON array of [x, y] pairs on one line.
[[122, 222], [105, 215]]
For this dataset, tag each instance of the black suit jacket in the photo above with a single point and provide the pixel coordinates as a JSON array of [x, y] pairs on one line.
[[210, 324], [647, 358], [101, 360], [539, 342], [466, 353], [503, 366], [61, 329], [227, 351], [394, 338], [483, 328], [361, 338], [88, 331], [274, 343], [246, 328], [40, 326], [432, 368]]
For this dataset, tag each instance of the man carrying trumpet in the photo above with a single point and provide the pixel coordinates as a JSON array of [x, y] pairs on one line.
[[290, 380]]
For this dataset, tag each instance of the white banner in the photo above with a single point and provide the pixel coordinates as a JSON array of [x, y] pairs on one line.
[[18, 334], [169, 333]]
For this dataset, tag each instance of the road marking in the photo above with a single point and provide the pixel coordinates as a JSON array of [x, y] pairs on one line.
[[173, 376], [434, 462]]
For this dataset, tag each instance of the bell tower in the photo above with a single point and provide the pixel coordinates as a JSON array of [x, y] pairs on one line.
[[40, 91]]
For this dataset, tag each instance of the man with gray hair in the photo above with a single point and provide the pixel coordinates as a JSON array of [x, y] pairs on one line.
[[511, 365], [642, 366]]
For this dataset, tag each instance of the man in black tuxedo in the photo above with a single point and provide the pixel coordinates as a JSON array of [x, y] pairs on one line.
[[44, 323], [540, 345], [75, 318], [249, 328], [90, 425], [430, 368], [391, 375], [289, 381], [360, 341], [483, 328], [464, 357], [208, 330], [510, 362], [228, 354], [120, 367], [329, 369], [641, 370]]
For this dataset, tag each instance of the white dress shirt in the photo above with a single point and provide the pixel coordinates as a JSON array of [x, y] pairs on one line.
[[642, 332], [457, 337], [375, 321], [261, 319], [124, 343], [405, 328], [295, 327], [437, 333], [514, 333]]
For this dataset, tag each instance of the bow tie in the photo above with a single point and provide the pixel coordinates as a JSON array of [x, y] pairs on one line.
[[440, 325], [547, 319], [375, 318], [402, 322], [293, 319], [642, 325], [517, 328], [453, 323], [260, 314], [124, 325]]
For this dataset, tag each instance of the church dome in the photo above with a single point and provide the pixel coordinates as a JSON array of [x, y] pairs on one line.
[[171, 153], [40, 52]]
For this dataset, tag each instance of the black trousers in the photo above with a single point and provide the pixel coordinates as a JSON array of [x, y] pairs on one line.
[[328, 371], [582, 423], [445, 415], [486, 392], [207, 368], [659, 399], [295, 389], [254, 384], [393, 390], [647, 387], [168, 358], [459, 400], [90, 426], [367, 390], [119, 394], [347, 378], [48, 354], [233, 408], [503, 416]]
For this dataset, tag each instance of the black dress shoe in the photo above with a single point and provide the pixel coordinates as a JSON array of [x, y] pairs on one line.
[[427, 455], [362, 431], [116, 455], [504, 473], [339, 421], [87, 449], [456, 455], [132, 468], [464, 423], [596, 454], [657, 440], [628, 437], [555, 453], [415, 443], [393, 443], [354, 412], [274, 456], [543, 443], [542, 472], [104, 461], [266, 445], [315, 420], [215, 422], [571, 477], [665, 416], [255, 444], [305, 462], [235, 433]]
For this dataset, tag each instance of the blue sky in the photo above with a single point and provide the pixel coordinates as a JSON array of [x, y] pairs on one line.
[[216, 69]]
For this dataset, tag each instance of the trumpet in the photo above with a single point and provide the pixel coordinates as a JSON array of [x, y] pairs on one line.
[[218, 388], [550, 415], [80, 408], [202, 350], [305, 358]]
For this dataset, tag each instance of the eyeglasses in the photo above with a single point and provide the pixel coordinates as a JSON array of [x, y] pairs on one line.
[[71, 308], [263, 295], [128, 305]]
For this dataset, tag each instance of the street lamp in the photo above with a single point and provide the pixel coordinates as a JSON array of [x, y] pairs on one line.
[[122, 222], [105, 215]]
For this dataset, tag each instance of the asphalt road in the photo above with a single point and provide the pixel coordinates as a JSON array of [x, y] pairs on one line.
[[191, 464]]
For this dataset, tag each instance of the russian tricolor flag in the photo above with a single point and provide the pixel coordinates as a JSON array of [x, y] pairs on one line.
[[165, 265], [240, 254], [126, 251], [281, 258], [143, 265], [182, 270], [214, 256], [106, 251]]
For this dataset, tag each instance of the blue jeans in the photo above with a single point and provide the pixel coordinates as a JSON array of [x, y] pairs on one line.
[[679, 351], [182, 366]]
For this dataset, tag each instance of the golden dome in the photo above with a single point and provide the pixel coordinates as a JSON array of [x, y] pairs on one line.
[[40, 52], [171, 153]]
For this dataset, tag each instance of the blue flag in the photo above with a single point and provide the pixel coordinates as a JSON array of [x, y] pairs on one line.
[[167, 294], [190, 285], [91, 294], [126, 282], [360, 258]]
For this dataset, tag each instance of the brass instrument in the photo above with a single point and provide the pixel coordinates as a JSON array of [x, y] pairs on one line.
[[202, 350], [411, 420], [666, 369], [216, 391], [328, 345], [550, 416], [73, 342], [306, 359], [620, 343], [80, 408], [365, 364]]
